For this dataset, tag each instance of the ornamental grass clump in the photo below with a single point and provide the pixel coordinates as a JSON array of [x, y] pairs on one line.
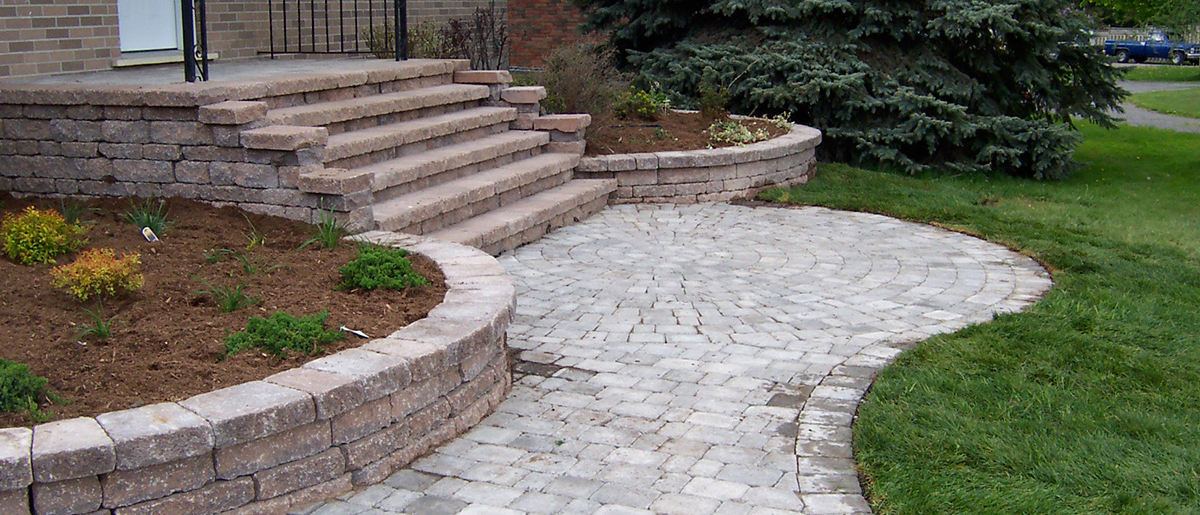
[[379, 267], [99, 272], [283, 332], [36, 236]]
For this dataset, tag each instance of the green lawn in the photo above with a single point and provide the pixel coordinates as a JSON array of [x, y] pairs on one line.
[[1179, 103], [1088, 402], [1163, 73]]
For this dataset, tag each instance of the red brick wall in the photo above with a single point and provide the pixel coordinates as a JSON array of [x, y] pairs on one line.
[[40, 37], [536, 26]]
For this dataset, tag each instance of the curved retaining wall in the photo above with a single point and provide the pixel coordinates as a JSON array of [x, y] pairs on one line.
[[296, 437], [708, 175]]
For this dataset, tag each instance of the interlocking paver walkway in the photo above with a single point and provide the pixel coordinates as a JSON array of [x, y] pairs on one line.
[[702, 359]]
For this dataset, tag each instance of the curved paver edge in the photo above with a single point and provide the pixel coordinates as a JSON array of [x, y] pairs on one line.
[[295, 437]]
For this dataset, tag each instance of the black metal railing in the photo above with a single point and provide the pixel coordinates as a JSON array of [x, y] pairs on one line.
[[195, 40], [378, 27]]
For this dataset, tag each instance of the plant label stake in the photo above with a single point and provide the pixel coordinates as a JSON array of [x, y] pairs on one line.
[[149, 235], [359, 334]]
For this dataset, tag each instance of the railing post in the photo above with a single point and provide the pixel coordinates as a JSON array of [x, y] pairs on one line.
[[189, 41], [400, 12], [194, 52]]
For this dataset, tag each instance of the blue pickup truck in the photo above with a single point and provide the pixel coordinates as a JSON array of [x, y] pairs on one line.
[[1157, 47]]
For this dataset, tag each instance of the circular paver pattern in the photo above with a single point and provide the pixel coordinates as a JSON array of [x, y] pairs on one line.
[[702, 359]]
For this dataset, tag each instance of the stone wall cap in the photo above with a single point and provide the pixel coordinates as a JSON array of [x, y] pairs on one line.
[[233, 112], [284, 137], [483, 77], [523, 94], [71, 449], [332, 393], [156, 434], [249, 411], [378, 374], [16, 447], [562, 122]]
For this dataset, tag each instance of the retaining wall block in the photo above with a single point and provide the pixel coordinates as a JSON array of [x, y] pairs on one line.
[[125, 487], [16, 446], [299, 474], [215, 498], [156, 434], [250, 411], [332, 393], [70, 497], [253, 456], [70, 449], [378, 374]]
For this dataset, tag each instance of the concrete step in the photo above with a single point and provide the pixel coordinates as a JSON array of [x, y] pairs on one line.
[[433, 208], [369, 111], [527, 220], [376, 144], [406, 174]]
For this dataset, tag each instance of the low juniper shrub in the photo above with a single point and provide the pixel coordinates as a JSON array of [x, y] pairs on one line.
[[379, 267]]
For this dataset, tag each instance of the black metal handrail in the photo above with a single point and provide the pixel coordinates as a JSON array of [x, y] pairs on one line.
[[195, 40], [338, 27]]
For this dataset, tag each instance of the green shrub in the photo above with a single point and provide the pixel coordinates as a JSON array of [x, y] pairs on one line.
[[98, 272], [956, 85], [641, 103], [18, 387], [379, 267], [37, 236], [580, 78], [282, 332], [713, 101]]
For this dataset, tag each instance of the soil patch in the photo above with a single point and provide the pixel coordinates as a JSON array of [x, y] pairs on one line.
[[167, 341], [673, 130]]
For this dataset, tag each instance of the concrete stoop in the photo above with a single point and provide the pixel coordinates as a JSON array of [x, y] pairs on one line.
[[455, 160]]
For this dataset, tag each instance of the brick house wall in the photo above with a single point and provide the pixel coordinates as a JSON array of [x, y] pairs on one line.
[[46, 37], [41, 37], [537, 26]]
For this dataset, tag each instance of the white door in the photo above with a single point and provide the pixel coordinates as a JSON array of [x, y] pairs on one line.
[[148, 24]]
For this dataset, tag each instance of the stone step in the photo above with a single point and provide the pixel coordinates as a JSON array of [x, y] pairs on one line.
[[403, 175], [362, 112], [433, 208], [528, 219], [367, 77], [377, 144]]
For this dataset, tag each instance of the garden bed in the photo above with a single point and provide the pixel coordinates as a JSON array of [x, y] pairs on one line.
[[673, 130], [167, 340]]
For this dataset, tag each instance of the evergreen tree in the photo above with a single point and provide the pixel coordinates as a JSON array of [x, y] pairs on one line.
[[966, 85]]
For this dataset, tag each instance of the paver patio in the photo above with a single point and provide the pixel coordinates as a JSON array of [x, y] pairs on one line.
[[702, 359]]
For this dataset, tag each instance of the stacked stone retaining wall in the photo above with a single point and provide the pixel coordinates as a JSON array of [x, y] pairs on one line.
[[295, 437], [709, 175]]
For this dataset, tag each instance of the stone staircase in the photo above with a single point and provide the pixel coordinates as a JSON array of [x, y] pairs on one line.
[[449, 155]]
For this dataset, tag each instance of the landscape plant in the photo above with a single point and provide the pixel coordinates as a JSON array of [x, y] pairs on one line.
[[148, 214], [328, 231], [282, 332], [580, 78], [379, 267], [99, 273], [1088, 402], [19, 387], [37, 236], [229, 298], [958, 85], [99, 326], [641, 103]]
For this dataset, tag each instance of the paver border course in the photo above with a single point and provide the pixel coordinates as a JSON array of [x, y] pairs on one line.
[[708, 175], [299, 436]]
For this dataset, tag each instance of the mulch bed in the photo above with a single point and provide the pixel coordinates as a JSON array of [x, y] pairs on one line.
[[674, 130], [167, 342]]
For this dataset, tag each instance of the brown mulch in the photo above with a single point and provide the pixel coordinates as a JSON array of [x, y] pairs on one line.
[[673, 130], [167, 342]]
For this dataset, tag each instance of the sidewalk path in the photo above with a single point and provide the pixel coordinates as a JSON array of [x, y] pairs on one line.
[[703, 359], [1135, 115]]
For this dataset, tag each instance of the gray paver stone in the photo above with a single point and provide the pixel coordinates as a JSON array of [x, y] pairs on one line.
[[155, 434], [251, 410], [69, 449]]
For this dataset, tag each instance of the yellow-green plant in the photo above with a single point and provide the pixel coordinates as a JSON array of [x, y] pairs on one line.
[[98, 272], [36, 236], [640, 103]]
